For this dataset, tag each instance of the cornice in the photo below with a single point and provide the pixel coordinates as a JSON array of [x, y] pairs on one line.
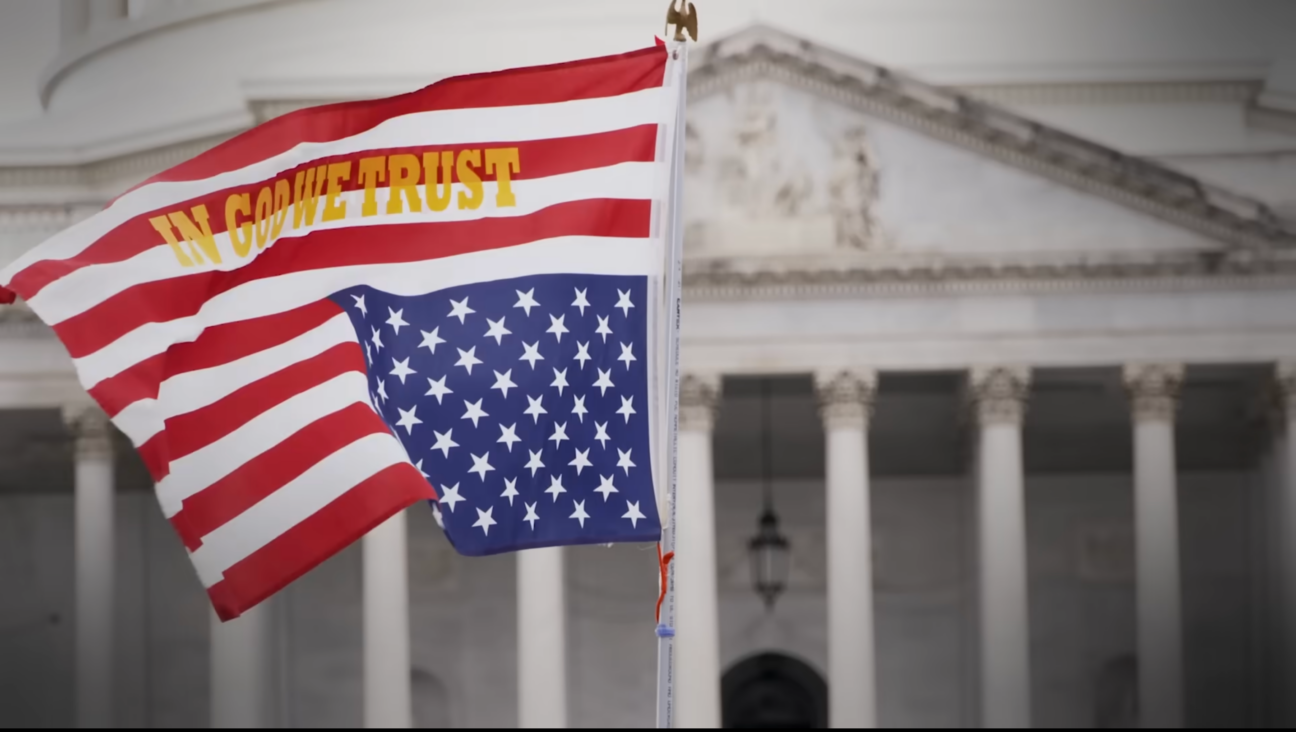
[[956, 118], [1227, 92]]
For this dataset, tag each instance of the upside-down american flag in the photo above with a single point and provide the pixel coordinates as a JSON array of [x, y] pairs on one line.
[[453, 295]]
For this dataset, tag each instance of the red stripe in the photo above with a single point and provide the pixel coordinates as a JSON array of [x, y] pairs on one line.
[[180, 297], [587, 79], [306, 545], [154, 454], [538, 159], [221, 344], [135, 383], [188, 433], [242, 489]]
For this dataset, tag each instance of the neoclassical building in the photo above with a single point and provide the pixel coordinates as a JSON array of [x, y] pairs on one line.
[[989, 348]]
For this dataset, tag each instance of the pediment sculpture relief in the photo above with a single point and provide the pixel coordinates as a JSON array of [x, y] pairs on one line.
[[759, 192]]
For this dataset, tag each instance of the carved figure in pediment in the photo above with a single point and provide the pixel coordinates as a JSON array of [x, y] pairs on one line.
[[755, 178], [853, 189]]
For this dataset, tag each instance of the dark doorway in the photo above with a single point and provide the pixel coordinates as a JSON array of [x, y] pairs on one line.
[[773, 690]]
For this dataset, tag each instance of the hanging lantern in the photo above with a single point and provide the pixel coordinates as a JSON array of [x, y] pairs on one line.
[[769, 558], [769, 550]]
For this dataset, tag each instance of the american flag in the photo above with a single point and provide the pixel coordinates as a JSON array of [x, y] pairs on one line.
[[213, 312], [524, 401]]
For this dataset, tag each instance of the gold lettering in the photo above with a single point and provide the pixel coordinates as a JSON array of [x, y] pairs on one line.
[[438, 199], [236, 205], [283, 196], [472, 198], [337, 173], [163, 226], [372, 172], [198, 236], [304, 201], [404, 181], [503, 162], [264, 211]]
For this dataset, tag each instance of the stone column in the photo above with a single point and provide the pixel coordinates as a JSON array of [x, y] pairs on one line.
[[999, 396], [387, 701], [542, 639], [243, 670], [1154, 396], [95, 557], [846, 403], [697, 645]]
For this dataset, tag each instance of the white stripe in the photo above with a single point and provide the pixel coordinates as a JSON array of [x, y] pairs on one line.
[[447, 127], [198, 470], [89, 286], [295, 502], [563, 255], [193, 390]]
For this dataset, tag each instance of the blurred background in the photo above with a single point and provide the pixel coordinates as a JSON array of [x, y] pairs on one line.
[[1039, 251]]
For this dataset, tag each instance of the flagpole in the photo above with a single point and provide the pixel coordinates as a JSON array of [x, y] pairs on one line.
[[678, 48]]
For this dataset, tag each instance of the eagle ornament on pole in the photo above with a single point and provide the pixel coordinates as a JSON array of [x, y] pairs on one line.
[[684, 18]]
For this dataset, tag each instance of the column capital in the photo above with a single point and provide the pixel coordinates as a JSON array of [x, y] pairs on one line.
[[699, 399], [846, 396], [1154, 389], [999, 393], [91, 429]]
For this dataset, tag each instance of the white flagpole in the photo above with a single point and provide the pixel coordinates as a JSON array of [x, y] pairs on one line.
[[678, 78]]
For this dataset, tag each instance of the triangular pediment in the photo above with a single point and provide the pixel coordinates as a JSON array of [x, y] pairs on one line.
[[798, 150]]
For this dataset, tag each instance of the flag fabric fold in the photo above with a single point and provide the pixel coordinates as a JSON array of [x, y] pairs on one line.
[[451, 295]]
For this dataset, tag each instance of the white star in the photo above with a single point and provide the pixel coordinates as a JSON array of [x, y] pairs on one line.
[[377, 339], [555, 487], [581, 302], [579, 410], [419, 467], [497, 331], [603, 328], [436, 514], [532, 354], [526, 301], [560, 434], [582, 354], [396, 321], [474, 412], [556, 327], [504, 382], [626, 408], [382, 390], [602, 435], [461, 310], [531, 516], [408, 420], [468, 358], [627, 355], [481, 465], [431, 340], [581, 461], [450, 496], [560, 380], [368, 353], [624, 460], [534, 409], [484, 520], [401, 369], [510, 490], [604, 381], [579, 514], [444, 442], [438, 389], [634, 514], [624, 303], [606, 487], [535, 463], [508, 436], [360, 305]]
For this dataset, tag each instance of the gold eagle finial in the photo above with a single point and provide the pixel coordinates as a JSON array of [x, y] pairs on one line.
[[683, 18]]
